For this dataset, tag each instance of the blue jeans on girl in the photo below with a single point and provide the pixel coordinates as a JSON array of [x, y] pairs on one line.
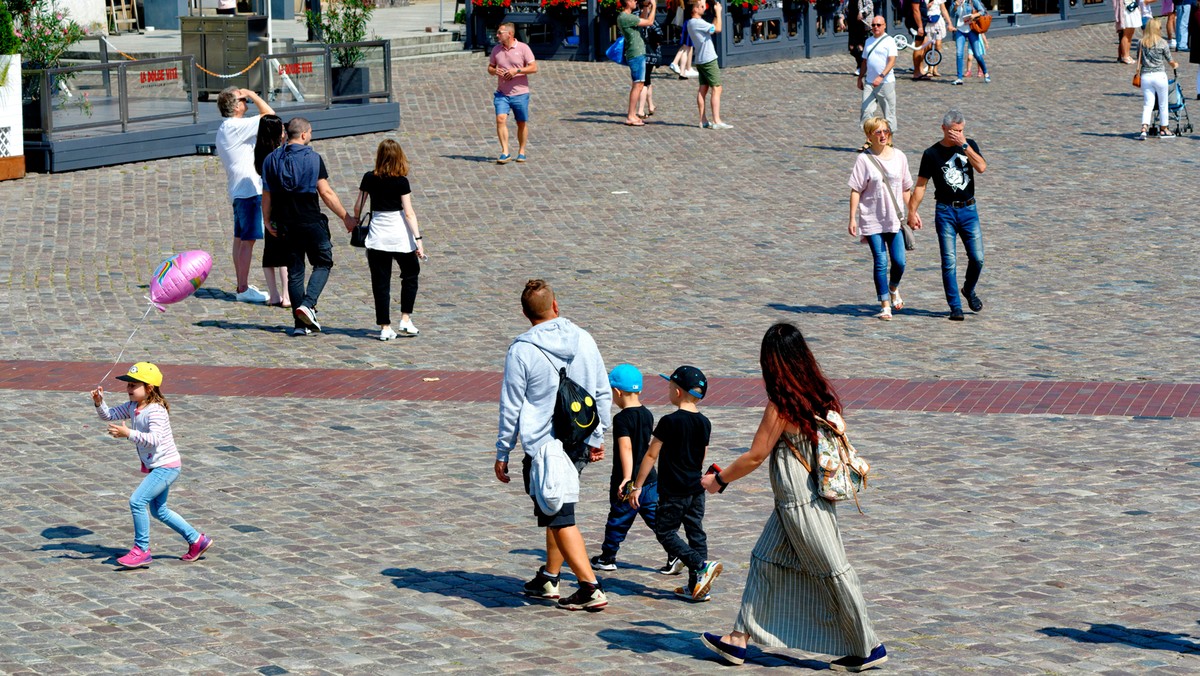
[[882, 244], [954, 222], [153, 492], [960, 40]]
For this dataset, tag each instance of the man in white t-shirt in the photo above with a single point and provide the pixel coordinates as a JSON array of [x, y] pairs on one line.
[[876, 77], [235, 146]]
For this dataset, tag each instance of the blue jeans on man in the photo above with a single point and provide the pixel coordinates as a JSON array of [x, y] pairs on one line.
[[1183, 13], [621, 517], [952, 223]]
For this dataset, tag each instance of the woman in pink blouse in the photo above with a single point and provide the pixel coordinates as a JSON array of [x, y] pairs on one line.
[[879, 184]]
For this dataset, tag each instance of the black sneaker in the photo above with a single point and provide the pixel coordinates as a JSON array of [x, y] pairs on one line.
[[542, 586], [591, 599], [674, 567], [856, 664], [956, 316], [600, 562], [973, 301]]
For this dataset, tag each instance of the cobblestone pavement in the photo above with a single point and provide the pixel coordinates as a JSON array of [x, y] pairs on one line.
[[371, 537]]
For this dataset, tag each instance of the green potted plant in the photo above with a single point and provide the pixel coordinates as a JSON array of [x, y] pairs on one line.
[[341, 22], [12, 152]]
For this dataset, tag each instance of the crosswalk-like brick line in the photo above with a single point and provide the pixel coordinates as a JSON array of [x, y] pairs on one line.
[[1134, 399]]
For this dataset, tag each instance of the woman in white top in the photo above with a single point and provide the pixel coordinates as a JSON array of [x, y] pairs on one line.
[[874, 209], [394, 236]]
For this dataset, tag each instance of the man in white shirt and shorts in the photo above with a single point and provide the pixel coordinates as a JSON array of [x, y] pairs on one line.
[[236, 139]]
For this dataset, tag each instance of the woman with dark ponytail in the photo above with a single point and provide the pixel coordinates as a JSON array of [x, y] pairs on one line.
[[801, 591]]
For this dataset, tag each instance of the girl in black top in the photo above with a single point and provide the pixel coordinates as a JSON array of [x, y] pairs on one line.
[[394, 235], [271, 135]]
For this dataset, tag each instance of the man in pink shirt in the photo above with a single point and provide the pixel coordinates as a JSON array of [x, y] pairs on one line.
[[512, 63]]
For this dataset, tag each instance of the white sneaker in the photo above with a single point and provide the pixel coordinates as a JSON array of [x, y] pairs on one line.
[[407, 328], [307, 316], [1172, 44], [251, 295], [674, 68], [387, 333], [721, 125], [692, 72]]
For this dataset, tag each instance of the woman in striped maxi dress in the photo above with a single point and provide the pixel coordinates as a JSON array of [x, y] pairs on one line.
[[800, 591]]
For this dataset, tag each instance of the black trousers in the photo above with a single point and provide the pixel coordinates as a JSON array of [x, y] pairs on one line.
[[687, 511], [380, 263]]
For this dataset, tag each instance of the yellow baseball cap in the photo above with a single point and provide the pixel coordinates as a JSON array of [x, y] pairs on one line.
[[143, 372]]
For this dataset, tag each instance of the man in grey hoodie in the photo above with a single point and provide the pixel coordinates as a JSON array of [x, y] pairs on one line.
[[527, 399]]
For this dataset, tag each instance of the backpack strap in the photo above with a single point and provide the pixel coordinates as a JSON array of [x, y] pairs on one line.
[[796, 452], [562, 370]]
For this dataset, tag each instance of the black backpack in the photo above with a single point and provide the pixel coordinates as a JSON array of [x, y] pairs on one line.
[[575, 413]]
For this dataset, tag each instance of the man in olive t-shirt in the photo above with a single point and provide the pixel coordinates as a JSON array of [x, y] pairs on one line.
[[635, 51]]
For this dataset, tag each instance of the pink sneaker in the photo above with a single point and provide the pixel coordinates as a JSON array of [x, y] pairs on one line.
[[135, 558], [197, 548]]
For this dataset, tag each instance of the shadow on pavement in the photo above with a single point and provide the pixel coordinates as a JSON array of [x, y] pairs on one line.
[[284, 327], [471, 158], [688, 643], [489, 591], [95, 552], [1138, 638], [851, 310]]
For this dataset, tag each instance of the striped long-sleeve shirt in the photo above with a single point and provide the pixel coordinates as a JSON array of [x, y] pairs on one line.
[[150, 431]]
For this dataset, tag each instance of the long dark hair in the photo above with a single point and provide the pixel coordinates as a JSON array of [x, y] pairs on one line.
[[794, 380], [270, 137]]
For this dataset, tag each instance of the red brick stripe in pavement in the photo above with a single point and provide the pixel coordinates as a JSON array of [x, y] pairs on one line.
[[1176, 400]]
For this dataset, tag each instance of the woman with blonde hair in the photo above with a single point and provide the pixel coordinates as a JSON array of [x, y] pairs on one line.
[[879, 183], [1153, 55], [394, 235]]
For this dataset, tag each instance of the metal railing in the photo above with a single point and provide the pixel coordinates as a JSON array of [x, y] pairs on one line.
[[50, 78]]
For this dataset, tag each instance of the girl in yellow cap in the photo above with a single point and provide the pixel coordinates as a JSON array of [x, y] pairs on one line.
[[150, 431]]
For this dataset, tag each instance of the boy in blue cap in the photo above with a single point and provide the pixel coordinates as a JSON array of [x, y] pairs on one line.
[[682, 440], [631, 437]]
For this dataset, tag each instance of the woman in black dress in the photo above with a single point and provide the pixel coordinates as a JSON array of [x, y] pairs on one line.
[[275, 257]]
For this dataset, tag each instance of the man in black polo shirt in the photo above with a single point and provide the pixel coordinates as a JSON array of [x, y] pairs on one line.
[[952, 164], [294, 177]]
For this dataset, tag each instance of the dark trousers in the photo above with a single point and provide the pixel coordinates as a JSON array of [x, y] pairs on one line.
[[687, 511], [380, 263], [621, 516], [309, 240]]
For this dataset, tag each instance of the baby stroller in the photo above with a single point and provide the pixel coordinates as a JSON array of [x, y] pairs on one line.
[[1177, 106]]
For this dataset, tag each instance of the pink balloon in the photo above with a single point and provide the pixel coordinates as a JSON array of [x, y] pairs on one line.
[[178, 277]]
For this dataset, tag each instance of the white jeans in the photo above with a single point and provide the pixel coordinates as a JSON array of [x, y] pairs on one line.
[[1154, 84], [882, 97]]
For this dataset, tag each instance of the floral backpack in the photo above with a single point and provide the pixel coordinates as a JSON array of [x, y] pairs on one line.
[[843, 473]]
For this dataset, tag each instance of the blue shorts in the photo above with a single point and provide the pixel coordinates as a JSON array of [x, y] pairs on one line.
[[247, 218], [518, 105], [637, 68]]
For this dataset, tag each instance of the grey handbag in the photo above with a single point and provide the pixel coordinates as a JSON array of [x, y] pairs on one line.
[[910, 240]]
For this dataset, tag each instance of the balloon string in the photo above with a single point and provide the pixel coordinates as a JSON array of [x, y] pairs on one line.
[[122, 352]]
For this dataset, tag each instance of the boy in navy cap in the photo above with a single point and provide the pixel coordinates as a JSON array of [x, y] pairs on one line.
[[681, 439], [631, 437]]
